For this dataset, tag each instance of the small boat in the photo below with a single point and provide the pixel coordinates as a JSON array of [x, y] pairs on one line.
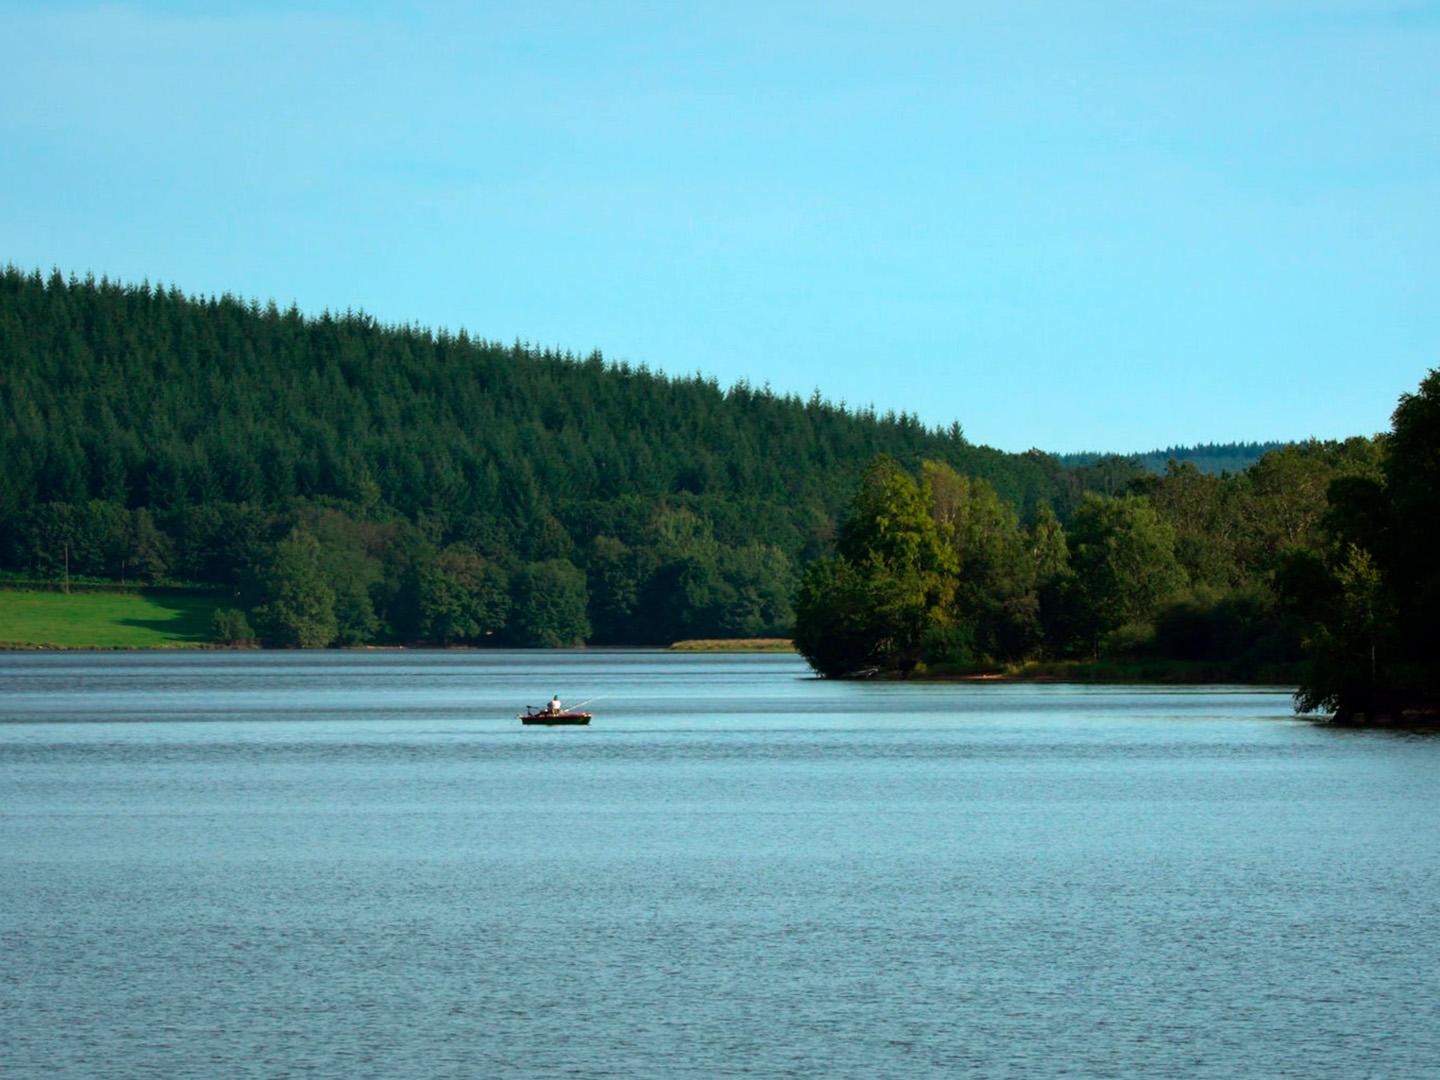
[[549, 719]]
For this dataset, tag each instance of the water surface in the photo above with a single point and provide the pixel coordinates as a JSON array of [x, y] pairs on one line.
[[360, 864]]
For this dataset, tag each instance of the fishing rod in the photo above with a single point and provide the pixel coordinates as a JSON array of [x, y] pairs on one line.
[[585, 702]]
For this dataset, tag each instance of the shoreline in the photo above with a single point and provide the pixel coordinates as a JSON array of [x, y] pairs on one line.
[[761, 645], [1110, 672]]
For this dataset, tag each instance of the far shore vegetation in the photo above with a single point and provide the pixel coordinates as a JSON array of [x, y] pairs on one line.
[[1315, 564], [349, 483], [211, 470]]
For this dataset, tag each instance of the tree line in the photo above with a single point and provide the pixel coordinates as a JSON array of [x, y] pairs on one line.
[[1315, 563], [1207, 457], [350, 481], [934, 568]]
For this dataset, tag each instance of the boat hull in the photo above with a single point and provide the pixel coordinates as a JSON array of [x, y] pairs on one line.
[[556, 720]]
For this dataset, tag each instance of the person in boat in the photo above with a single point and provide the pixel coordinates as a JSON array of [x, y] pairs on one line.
[[554, 706]]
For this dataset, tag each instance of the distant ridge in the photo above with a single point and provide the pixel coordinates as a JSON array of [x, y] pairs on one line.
[[1211, 458], [346, 482], [356, 482]]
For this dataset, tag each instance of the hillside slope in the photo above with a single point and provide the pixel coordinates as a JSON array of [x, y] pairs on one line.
[[149, 433]]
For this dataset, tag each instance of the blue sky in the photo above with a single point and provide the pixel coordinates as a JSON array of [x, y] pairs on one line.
[[1068, 225]]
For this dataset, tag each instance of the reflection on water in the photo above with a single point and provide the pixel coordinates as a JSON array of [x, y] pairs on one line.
[[362, 864]]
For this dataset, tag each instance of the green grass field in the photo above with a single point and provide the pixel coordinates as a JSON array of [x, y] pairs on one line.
[[765, 644], [105, 620]]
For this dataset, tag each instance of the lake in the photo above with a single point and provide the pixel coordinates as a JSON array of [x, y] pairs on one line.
[[360, 864]]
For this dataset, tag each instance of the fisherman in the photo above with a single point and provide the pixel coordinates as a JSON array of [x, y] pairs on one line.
[[555, 705]]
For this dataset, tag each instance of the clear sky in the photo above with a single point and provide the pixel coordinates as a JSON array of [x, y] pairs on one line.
[[1073, 225]]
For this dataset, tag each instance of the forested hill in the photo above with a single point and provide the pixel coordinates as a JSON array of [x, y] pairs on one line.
[[145, 431], [1211, 458]]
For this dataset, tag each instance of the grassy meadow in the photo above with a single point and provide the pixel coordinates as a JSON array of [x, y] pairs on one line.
[[105, 620], [734, 645]]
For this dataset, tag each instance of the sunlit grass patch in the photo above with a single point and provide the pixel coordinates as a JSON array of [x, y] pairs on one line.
[[128, 620]]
